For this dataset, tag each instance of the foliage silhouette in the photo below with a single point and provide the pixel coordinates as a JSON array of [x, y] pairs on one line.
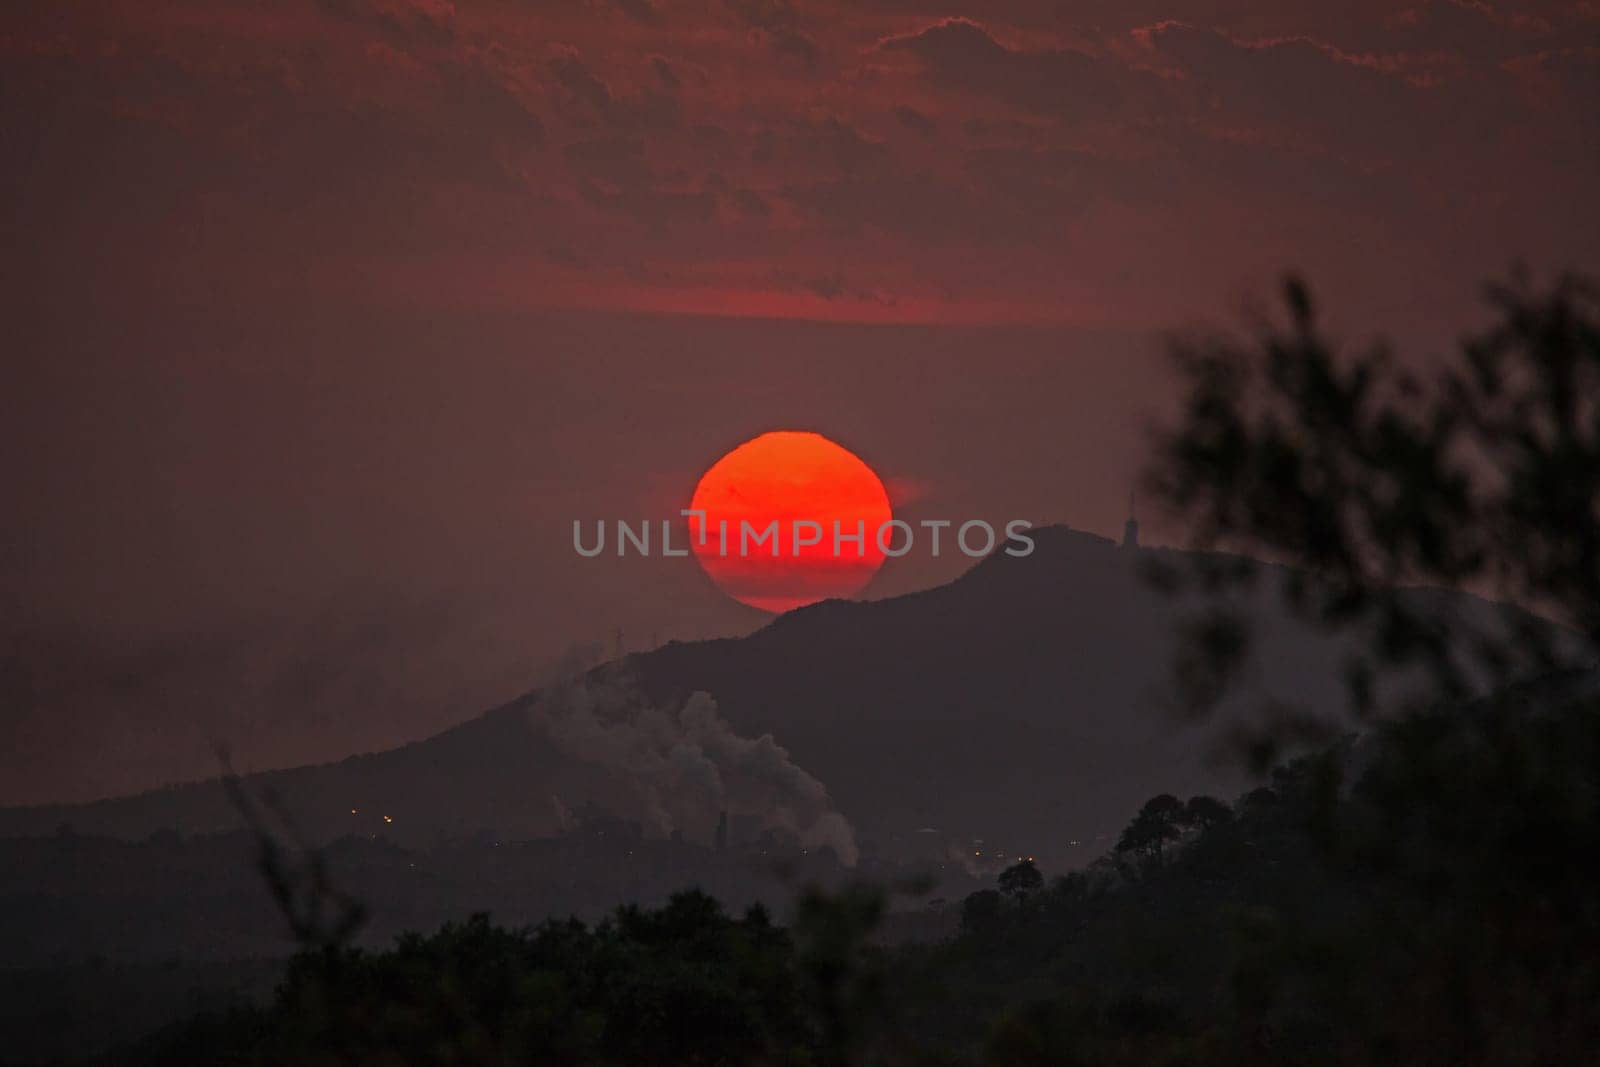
[[1159, 823], [1020, 880], [1368, 477]]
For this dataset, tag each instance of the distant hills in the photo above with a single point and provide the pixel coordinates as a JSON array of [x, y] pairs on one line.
[[1015, 709]]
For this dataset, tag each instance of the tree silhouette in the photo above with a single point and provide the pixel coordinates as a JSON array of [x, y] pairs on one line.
[[1202, 813], [1369, 477], [1020, 879], [981, 910], [1158, 824], [1464, 813], [840, 980]]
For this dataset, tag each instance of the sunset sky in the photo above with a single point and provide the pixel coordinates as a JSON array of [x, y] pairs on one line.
[[325, 319]]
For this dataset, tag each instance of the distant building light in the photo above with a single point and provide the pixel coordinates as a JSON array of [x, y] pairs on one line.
[[353, 811], [388, 818]]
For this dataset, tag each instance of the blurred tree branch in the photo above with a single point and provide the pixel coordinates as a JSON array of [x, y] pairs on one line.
[[1367, 477], [320, 915]]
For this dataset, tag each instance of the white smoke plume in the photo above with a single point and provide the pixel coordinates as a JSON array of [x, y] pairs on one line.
[[680, 767]]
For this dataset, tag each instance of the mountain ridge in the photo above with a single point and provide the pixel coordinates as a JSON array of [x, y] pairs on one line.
[[1020, 703]]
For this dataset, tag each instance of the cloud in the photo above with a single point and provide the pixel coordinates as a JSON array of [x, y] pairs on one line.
[[616, 159], [775, 24], [566, 256], [765, 14], [938, 206], [831, 286], [962, 55], [589, 97], [665, 73], [1294, 91], [916, 205], [642, 11], [915, 120], [751, 202], [615, 176], [1453, 31], [1572, 75], [581, 84], [416, 22], [269, 152], [655, 207], [792, 44]]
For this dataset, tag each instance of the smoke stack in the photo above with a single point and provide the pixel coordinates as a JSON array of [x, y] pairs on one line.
[[722, 832]]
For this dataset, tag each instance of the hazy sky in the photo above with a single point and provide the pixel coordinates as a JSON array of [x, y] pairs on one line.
[[325, 319]]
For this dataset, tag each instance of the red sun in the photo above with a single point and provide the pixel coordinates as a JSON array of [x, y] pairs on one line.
[[772, 508]]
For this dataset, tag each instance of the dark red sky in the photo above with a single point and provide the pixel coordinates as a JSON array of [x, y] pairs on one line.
[[325, 319]]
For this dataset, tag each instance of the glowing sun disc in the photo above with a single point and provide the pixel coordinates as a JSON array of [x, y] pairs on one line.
[[789, 477]]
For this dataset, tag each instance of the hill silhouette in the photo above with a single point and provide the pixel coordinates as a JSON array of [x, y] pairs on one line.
[[1020, 705]]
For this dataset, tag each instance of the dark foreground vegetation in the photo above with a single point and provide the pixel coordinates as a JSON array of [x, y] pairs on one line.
[[1417, 887], [1423, 896]]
